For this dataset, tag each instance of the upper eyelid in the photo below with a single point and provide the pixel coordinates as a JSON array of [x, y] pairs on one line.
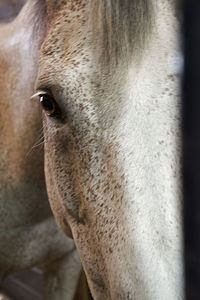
[[39, 93]]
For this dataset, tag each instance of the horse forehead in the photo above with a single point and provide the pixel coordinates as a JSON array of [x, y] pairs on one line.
[[66, 33], [53, 5], [65, 11]]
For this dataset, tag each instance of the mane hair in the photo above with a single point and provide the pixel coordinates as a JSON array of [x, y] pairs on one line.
[[120, 27]]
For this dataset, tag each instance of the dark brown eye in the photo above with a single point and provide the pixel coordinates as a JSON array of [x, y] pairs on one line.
[[49, 105]]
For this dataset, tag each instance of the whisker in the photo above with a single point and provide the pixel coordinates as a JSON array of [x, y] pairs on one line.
[[40, 139], [37, 145], [39, 142], [34, 147]]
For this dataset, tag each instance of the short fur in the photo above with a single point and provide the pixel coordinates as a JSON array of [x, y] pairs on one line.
[[120, 27], [112, 158], [112, 162]]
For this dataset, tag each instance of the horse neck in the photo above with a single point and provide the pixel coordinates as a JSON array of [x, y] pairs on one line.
[[20, 41], [20, 119]]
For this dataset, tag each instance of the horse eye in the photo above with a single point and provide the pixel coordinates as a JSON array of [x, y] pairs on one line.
[[48, 104]]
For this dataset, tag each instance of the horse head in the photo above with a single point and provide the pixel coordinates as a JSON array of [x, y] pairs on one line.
[[109, 90]]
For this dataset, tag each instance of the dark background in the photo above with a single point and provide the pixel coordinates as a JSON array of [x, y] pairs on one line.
[[191, 146]]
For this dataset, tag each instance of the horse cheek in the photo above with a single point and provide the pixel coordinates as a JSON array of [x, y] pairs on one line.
[[58, 185]]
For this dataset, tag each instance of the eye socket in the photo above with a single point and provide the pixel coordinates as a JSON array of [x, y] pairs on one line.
[[49, 105]]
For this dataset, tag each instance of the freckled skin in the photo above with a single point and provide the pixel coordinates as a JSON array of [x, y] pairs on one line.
[[112, 163]]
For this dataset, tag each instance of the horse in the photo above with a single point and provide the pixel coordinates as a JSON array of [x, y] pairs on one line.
[[108, 82], [29, 235]]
